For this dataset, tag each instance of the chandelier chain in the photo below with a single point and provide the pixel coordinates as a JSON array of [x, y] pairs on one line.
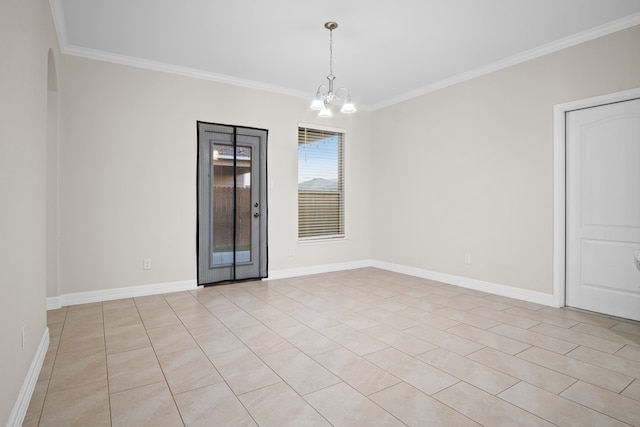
[[331, 52]]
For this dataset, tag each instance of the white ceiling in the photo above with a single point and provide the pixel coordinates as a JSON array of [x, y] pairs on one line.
[[384, 51]]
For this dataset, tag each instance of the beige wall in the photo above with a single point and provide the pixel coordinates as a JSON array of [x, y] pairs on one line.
[[52, 178], [469, 169], [26, 34], [128, 174]]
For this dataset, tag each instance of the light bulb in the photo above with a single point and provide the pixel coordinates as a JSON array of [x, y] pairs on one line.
[[325, 112], [348, 107], [318, 103]]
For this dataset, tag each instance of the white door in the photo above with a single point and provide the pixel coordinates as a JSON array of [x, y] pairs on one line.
[[603, 209]]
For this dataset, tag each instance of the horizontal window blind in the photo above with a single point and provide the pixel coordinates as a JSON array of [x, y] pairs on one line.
[[320, 184]]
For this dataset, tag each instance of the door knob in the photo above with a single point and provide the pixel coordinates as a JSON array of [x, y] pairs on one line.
[[256, 215]]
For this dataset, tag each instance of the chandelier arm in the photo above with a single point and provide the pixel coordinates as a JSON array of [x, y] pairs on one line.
[[343, 89], [322, 90]]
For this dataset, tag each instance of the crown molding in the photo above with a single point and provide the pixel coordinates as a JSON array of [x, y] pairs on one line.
[[131, 61], [178, 70], [59, 23], [69, 49], [546, 49], [593, 33]]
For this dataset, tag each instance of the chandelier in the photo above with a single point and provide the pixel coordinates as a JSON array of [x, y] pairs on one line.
[[325, 95]]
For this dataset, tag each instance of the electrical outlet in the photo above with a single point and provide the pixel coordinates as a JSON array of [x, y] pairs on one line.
[[146, 264], [24, 336], [467, 258], [292, 252]]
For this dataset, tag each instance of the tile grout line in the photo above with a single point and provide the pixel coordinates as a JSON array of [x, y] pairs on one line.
[[318, 297], [367, 396], [261, 360], [55, 356], [106, 363], [207, 356], [289, 385], [166, 382]]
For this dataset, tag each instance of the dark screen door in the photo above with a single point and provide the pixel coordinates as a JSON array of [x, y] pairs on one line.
[[232, 220]]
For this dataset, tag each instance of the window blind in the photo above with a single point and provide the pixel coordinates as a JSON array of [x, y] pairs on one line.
[[320, 184]]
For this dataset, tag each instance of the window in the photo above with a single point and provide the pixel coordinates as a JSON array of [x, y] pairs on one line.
[[320, 184]]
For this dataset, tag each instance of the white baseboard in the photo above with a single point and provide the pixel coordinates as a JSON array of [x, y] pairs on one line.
[[118, 293], [28, 386], [162, 288], [465, 282], [53, 303], [318, 269]]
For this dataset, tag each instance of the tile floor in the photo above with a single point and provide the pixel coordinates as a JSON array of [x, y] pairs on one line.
[[358, 347]]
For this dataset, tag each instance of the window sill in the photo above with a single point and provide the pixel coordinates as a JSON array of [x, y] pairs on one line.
[[323, 241]]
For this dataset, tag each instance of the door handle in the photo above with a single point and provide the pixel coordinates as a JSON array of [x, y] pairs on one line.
[[636, 256], [256, 215]]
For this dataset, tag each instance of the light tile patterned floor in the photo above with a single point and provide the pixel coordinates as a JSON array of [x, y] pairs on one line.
[[359, 347]]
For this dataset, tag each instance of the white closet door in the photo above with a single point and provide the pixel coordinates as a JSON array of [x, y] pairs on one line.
[[603, 209]]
